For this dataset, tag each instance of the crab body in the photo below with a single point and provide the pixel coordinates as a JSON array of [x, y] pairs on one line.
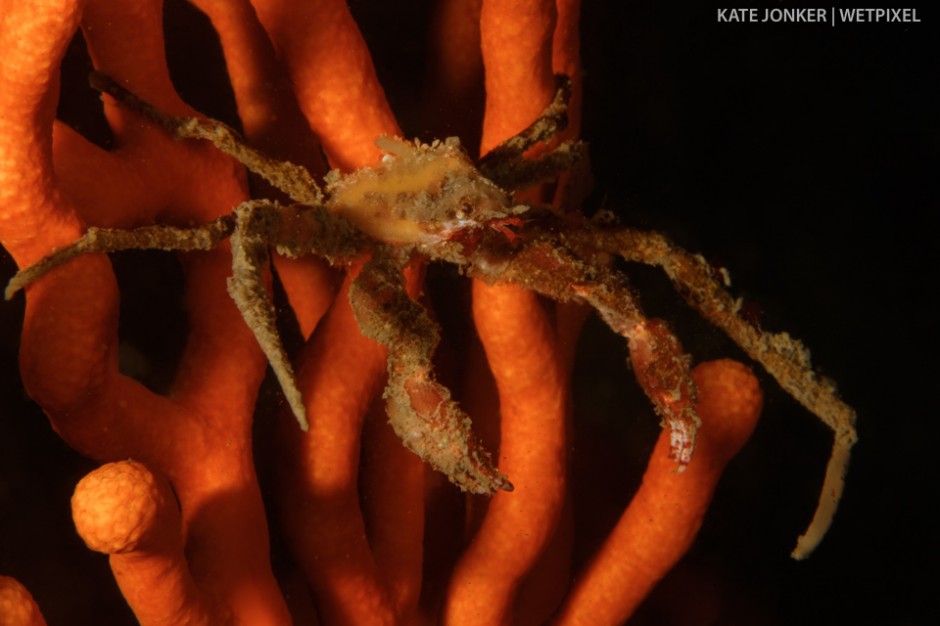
[[418, 194]]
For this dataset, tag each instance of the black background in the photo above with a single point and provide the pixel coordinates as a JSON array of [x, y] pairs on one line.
[[802, 158]]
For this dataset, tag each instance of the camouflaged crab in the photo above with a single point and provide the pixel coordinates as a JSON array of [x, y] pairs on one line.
[[429, 201]]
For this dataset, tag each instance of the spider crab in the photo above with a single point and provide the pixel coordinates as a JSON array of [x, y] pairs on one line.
[[429, 201], [382, 223]]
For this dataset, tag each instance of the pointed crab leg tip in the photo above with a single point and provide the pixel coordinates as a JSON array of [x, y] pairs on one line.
[[13, 287], [807, 543], [295, 401], [800, 553]]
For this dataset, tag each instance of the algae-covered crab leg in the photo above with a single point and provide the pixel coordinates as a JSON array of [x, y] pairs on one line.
[[101, 240], [420, 409]]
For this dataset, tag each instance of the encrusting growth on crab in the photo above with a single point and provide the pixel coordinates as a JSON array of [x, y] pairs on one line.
[[420, 409], [420, 194]]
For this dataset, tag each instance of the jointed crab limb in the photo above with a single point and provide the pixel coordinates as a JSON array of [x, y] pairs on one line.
[[784, 358], [506, 164], [553, 119], [257, 222], [420, 409], [520, 173], [169, 238], [292, 179], [294, 230], [301, 230], [662, 369]]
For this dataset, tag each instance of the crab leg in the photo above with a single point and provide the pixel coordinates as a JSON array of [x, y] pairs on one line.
[[420, 409], [95, 240], [250, 227], [552, 120], [662, 369], [292, 179], [784, 358], [507, 165], [256, 221]]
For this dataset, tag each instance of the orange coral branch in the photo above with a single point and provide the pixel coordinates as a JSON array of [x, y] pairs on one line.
[[201, 440], [456, 61], [453, 99], [516, 38], [664, 516], [267, 108], [17, 607], [520, 347], [273, 122], [31, 219], [333, 77], [393, 485], [339, 373], [124, 510]]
